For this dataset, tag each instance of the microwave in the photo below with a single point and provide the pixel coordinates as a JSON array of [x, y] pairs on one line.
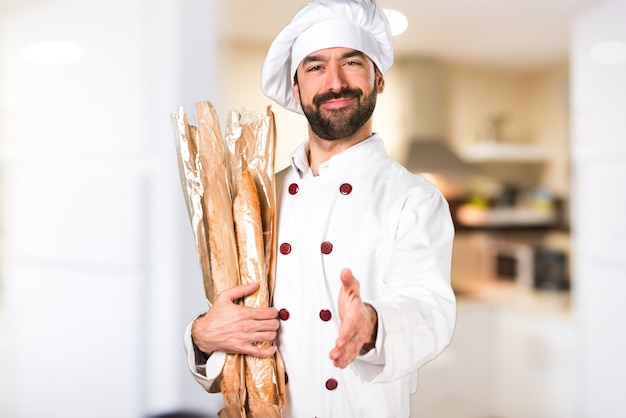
[[528, 266], [511, 261]]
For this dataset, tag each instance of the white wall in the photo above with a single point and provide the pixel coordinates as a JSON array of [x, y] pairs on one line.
[[599, 205], [98, 267]]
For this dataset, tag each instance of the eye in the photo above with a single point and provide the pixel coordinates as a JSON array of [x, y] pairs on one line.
[[353, 63], [314, 68]]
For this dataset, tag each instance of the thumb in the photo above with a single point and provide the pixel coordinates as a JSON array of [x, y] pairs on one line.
[[349, 281], [237, 292]]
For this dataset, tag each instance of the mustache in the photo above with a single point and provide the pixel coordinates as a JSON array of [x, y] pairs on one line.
[[345, 93]]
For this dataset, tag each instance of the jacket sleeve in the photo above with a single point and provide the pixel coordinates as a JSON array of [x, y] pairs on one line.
[[205, 369], [417, 308]]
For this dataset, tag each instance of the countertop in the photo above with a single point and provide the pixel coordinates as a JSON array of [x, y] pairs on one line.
[[511, 295]]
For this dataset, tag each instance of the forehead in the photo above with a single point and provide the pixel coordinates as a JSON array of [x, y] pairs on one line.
[[328, 54]]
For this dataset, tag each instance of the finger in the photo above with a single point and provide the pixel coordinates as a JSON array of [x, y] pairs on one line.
[[240, 291], [350, 324], [349, 281], [347, 331], [346, 276], [263, 336], [259, 330], [345, 337], [341, 358], [345, 347], [255, 351], [264, 313]]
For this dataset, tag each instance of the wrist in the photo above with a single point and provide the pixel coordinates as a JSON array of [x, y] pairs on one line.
[[200, 345], [371, 343]]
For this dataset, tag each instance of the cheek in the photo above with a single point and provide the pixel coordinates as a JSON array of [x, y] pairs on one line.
[[302, 95]]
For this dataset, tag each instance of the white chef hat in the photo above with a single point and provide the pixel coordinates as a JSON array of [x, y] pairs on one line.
[[320, 24]]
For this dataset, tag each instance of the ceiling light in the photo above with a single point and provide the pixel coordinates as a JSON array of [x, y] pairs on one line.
[[397, 21], [53, 52], [608, 53]]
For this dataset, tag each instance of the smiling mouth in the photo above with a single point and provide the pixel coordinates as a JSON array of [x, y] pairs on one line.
[[337, 99], [337, 103]]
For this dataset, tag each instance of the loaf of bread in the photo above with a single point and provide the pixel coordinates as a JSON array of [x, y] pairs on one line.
[[249, 237], [224, 271], [259, 376], [231, 204]]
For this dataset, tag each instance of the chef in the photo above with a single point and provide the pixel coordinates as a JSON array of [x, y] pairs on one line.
[[362, 296]]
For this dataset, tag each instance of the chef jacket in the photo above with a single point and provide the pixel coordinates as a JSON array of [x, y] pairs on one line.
[[393, 229]]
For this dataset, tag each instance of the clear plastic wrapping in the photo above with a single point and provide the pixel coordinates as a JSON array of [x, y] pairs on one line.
[[228, 185]]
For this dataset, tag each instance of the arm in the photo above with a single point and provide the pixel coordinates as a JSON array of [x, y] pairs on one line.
[[417, 309]]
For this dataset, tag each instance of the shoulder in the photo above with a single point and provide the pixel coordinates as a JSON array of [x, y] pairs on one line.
[[282, 174], [410, 189], [396, 175]]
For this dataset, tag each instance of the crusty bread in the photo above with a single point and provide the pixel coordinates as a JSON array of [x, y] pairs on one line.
[[217, 200], [245, 253], [218, 218], [249, 237], [261, 390], [231, 386]]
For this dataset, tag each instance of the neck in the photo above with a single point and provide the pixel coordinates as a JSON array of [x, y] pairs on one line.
[[321, 150]]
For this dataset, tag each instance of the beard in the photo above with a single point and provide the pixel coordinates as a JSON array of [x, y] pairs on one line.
[[331, 124]]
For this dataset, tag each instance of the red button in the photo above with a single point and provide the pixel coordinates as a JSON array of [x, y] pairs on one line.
[[345, 188], [283, 314], [285, 248], [293, 188], [327, 247], [325, 315], [331, 384]]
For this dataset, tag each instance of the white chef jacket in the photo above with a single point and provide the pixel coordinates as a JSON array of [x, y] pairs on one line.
[[393, 229]]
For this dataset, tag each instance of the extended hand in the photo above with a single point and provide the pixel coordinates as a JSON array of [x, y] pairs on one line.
[[358, 322], [233, 328]]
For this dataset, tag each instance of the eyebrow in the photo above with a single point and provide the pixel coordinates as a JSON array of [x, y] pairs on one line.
[[314, 58]]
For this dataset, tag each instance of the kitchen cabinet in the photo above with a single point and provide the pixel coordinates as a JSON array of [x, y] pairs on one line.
[[485, 152], [538, 220], [468, 216], [513, 123], [459, 383], [534, 365], [512, 356]]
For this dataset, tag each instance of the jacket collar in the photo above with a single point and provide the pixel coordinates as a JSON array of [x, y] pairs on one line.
[[358, 153]]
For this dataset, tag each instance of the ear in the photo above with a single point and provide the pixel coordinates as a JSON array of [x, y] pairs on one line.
[[380, 81], [296, 92]]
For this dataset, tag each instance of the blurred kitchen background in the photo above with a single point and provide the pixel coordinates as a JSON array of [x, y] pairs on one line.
[[515, 109]]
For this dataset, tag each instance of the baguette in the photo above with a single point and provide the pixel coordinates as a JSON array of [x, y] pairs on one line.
[[249, 237], [232, 387], [259, 373], [235, 234], [218, 217]]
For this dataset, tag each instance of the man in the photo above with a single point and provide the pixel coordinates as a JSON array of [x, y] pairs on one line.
[[362, 296]]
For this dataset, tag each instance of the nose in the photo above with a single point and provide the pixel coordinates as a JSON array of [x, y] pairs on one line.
[[335, 78]]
